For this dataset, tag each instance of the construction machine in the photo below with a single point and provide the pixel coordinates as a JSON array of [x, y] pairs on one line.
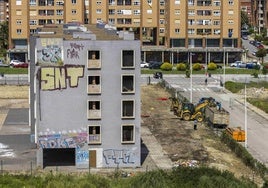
[[188, 111]]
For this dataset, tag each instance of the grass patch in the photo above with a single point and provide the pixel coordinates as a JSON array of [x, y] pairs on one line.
[[201, 177], [235, 87], [259, 103], [7, 70]]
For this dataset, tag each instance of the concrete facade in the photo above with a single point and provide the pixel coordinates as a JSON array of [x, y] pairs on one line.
[[90, 105]]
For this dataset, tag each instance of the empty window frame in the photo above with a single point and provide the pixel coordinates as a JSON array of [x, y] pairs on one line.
[[74, 11], [94, 86], [128, 109], [94, 109], [127, 58], [94, 60], [128, 84], [161, 30], [18, 22], [19, 31], [177, 2], [127, 134], [94, 134]]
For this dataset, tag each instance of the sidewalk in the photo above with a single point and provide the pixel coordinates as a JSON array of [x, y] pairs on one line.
[[161, 160]]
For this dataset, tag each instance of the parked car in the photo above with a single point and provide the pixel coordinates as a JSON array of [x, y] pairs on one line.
[[155, 65], [14, 62], [242, 65], [2, 64], [245, 37], [21, 65], [253, 65], [235, 64], [260, 46], [144, 64]]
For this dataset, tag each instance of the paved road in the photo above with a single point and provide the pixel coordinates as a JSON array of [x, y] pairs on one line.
[[256, 120], [252, 49]]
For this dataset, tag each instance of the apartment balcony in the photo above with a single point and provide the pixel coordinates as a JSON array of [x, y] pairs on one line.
[[94, 64], [93, 89], [94, 114], [94, 139]]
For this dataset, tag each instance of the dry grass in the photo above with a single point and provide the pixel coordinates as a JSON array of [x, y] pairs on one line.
[[14, 92]]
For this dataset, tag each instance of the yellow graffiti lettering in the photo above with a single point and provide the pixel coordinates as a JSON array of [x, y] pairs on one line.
[[47, 78], [55, 77], [74, 73], [48, 41], [60, 81]]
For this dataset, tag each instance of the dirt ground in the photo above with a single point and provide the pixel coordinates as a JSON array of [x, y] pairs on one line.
[[179, 140]]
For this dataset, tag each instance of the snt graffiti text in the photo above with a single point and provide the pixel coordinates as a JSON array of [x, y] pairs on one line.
[[117, 156], [53, 78]]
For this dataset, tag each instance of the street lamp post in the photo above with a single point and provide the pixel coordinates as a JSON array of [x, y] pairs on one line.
[[191, 78], [223, 84], [246, 126], [206, 54]]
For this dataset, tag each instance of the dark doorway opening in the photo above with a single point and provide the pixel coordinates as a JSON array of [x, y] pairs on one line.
[[58, 157]]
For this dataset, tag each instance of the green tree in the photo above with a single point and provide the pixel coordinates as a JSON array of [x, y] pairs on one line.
[[3, 38], [244, 18], [261, 53]]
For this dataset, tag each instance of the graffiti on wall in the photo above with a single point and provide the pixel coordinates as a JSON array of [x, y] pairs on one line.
[[53, 78], [118, 156], [49, 50], [62, 140], [73, 51], [82, 157]]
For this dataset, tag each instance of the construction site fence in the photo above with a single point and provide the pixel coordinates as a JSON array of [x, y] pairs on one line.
[[172, 91]]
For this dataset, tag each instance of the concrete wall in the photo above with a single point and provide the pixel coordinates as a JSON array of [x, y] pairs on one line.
[[62, 103]]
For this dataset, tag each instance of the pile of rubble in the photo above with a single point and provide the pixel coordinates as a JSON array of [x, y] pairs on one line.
[[255, 92], [186, 163]]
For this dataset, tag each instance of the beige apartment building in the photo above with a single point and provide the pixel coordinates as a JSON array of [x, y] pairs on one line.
[[4, 10], [168, 29], [259, 14]]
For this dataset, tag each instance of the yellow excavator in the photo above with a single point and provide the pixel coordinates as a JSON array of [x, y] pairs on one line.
[[188, 111]]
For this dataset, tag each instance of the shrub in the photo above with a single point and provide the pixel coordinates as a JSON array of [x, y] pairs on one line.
[[197, 66], [212, 66], [181, 67], [265, 42], [166, 66]]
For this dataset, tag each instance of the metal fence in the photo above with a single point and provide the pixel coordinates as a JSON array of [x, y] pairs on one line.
[[14, 80]]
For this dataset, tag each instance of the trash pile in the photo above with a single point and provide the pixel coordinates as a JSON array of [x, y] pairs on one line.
[[186, 163], [255, 92]]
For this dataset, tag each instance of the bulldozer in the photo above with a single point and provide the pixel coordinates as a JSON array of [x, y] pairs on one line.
[[188, 111]]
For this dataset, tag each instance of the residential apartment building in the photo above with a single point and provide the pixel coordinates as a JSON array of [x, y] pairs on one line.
[[168, 29], [85, 97], [247, 8], [4, 10], [259, 14]]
